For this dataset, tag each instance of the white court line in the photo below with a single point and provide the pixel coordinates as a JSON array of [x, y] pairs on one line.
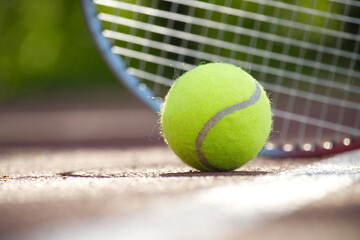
[[212, 213]]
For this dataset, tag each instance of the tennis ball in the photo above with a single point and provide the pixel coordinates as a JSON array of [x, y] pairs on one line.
[[216, 117]]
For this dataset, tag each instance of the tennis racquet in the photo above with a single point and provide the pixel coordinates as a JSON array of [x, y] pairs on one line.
[[305, 53]]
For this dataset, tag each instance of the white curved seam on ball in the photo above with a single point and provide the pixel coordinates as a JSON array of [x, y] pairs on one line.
[[216, 118]]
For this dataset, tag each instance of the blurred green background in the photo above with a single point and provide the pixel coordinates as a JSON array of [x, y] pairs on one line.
[[45, 50]]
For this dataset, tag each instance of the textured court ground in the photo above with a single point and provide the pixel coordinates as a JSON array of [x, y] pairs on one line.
[[43, 188], [126, 184]]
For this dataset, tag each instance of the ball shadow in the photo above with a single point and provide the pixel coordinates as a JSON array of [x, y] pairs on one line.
[[215, 174]]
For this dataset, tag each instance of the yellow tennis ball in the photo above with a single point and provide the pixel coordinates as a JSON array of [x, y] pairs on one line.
[[216, 117]]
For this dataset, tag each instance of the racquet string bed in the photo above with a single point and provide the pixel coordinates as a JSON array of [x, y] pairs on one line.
[[306, 55]]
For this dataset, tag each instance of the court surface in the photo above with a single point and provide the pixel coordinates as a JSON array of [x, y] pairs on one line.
[[142, 191]]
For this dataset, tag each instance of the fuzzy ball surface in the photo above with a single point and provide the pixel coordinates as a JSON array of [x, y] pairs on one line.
[[216, 117]]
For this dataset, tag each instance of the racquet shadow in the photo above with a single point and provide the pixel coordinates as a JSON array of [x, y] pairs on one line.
[[189, 174]]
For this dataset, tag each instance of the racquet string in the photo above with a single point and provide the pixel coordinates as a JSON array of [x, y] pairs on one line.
[[307, 56]]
